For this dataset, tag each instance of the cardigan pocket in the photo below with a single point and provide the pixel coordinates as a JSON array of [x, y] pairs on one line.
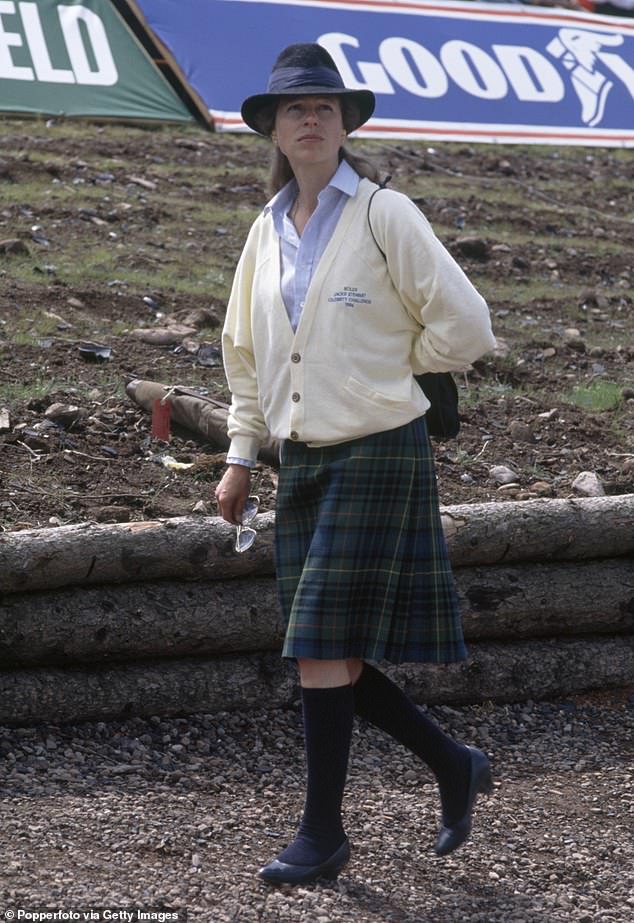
[[358, 389]]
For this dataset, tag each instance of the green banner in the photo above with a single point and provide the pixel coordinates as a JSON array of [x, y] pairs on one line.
[[79, 59]]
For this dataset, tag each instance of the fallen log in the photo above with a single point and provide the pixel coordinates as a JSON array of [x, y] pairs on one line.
[[202, 547], [493, 672], [141, 620], [202, 415], [179, 619], [547, 669], [148, 688], [186, 547], [540, 530]]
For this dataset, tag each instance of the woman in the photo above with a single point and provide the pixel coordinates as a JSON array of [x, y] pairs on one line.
[[325, 326]]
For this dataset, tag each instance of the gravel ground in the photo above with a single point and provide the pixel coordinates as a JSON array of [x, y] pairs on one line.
[[180, 813]]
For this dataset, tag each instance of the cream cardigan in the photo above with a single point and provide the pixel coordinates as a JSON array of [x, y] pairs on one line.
[[368, 322]]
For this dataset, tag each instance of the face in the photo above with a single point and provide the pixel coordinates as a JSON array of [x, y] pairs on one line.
[[309, 129]]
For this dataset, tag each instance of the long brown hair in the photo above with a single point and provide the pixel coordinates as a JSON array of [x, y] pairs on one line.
[[281, 172]]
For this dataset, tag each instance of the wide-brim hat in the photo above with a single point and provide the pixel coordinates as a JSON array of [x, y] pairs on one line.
[[305, 69]]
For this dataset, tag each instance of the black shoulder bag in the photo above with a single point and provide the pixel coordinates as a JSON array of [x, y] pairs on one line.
[[442, 418]]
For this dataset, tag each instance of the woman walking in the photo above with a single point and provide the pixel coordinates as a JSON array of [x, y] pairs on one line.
[[336, 303]]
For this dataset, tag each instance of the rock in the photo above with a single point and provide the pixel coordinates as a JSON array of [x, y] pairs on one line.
[[144, 183], [549, 352], [63, 414], [520, 262], [14, 247], [5, 420], [520, 432], [62, 324], [475, 247], [164, 336], [588, 485], [541, 489], [202, 317], [576, 344], [501, 474]]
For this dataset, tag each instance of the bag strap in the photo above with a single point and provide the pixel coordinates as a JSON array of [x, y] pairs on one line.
[[382, 185]]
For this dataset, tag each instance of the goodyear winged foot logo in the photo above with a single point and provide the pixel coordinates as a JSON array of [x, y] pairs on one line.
[[583, 53]]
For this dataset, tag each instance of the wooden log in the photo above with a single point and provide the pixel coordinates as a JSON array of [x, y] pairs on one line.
[[493, 672], [186, 547], [200, 414], [176, 619], [149, 688], [540, 530], [137, 621], [532, 600], [202, 547], [545, 669]]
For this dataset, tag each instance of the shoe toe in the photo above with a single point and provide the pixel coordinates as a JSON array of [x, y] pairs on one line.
[[284, 873], [480, 782]]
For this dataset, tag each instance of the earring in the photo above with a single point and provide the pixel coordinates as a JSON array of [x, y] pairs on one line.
[[274, 137]]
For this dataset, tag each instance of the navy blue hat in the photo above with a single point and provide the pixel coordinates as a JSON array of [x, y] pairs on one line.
[[305, 69]]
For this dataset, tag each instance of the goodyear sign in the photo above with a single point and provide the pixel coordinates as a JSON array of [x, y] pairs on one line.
[[79, 58], [450, 71]]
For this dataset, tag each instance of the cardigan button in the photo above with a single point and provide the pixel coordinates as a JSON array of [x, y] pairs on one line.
[[294, 435], [295, 357], [295, 397]]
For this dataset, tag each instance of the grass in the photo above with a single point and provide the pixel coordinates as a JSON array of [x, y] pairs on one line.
[[11, 392], [597, 397]]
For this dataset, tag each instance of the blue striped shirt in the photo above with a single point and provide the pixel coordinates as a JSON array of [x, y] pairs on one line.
[[299, 256]]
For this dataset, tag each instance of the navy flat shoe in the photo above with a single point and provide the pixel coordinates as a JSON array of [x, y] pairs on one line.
[[480, 782], [284, 873]]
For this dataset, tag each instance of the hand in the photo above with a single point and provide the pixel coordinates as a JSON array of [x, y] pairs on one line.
[[232, 492]]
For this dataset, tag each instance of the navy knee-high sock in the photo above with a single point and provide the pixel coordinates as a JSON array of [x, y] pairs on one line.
[[382, 703], [328, 717]]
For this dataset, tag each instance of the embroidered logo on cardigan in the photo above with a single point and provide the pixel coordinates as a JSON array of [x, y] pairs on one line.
[[349, 296]]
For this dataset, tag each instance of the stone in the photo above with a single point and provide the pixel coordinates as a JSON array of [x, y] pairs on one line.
[[63, 414], [520, 431], [164, 336], [475, 247], [588, 484], [502, 474], [14, 247]]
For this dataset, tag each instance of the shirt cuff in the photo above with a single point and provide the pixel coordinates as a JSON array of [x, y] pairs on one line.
[[233, 460], [244, 448]]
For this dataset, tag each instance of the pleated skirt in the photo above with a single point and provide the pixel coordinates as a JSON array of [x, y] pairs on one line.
[[361, 560]]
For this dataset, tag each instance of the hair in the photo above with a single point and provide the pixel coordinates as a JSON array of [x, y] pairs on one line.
[[281, 172]]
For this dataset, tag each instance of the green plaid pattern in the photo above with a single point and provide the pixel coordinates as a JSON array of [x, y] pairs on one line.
[[362, 565]]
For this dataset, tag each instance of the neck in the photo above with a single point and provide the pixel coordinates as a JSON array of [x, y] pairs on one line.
[[310, 182]]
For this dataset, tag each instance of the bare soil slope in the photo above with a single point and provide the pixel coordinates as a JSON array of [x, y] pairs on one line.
[[108, 230]]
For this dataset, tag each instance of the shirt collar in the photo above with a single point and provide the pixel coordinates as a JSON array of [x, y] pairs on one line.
[[345, 180]]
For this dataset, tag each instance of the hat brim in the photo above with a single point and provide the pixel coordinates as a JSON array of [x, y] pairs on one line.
[[253, 106]]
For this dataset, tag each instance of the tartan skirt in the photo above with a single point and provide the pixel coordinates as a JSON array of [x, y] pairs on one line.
[[361, 560]]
